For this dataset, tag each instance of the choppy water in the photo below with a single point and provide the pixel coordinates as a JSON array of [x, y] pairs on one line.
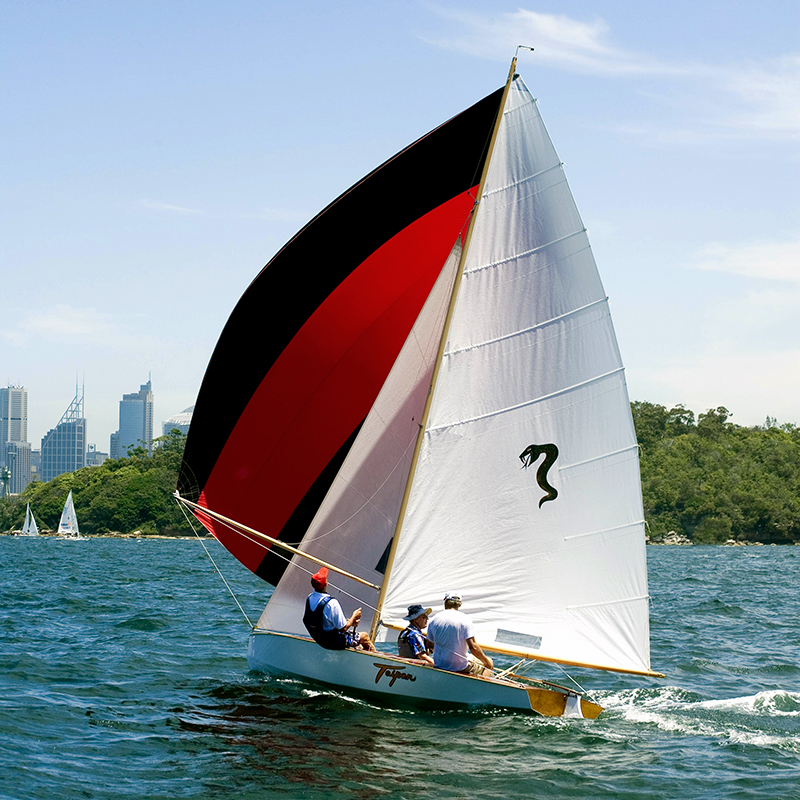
[[123, 676]]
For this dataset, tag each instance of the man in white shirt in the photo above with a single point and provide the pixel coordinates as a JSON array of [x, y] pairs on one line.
[[454, 645], [325, 620]]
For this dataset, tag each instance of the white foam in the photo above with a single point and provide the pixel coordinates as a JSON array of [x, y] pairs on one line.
[[737, 720], [758, 704]]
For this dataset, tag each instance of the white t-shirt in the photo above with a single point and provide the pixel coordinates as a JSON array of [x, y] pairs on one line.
[[333, 617], [449, 631]]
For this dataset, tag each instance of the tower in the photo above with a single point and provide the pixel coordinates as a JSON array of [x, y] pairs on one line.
[[135, 422], [14, 447], [64, 447]]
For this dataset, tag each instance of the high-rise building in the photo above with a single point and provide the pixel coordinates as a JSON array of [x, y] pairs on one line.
[[135, 422], [14, 447], [18, 461], [64, 447], [13, 417]]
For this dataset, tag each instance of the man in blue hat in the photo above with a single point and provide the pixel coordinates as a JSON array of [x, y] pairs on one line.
[[412, 643]]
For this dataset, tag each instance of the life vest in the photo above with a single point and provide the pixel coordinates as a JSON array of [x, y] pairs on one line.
[[314, 621], [404, 647]]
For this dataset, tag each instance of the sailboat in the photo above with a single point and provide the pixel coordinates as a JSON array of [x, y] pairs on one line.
[[68, 525], [29, 527], [436, 402]]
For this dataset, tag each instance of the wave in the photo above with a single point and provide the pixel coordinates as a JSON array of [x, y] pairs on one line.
[[767, 719]]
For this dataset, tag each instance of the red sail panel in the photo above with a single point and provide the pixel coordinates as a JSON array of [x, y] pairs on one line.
[[312, 341], [326, 380]]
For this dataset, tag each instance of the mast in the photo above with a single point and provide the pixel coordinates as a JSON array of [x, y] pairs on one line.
[[439, 356]]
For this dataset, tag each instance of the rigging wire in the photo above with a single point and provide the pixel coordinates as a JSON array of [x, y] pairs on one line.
[[214, 563], [276, 551]]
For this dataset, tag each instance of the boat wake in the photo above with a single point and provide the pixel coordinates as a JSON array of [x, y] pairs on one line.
[[768, 719]]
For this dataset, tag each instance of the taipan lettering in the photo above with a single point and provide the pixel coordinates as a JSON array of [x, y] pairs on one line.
[[393, 673], [529, 456]]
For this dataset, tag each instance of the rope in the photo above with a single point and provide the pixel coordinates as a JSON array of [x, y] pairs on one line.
[[214, 563]]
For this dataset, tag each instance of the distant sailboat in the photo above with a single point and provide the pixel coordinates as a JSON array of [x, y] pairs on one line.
[[68, 526], [29, 528]]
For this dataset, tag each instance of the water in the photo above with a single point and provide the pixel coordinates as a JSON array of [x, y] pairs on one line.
[[123, 676]]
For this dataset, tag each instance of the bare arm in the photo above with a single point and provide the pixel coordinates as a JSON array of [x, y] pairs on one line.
[[477, 651], [354, 620]]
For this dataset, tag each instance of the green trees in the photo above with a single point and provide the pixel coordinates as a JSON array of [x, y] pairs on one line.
[[121, 495], [713, 480], [704, 477]]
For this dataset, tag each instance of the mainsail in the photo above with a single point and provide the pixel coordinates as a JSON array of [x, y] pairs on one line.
[[548, 555], [68, 525], [531, 359], [29, 527]]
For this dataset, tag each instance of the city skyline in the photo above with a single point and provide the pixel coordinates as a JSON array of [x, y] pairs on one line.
[[102, 443], [192, 144]]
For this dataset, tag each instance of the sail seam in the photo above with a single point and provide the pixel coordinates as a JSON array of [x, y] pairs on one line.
[[531, 402], [526, 253], [606, 530], [598, 458], [524, 180], [518, 108], [523, 331], [611, 602]]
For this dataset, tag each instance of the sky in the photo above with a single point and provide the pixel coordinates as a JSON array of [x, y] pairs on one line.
[[155, 155]]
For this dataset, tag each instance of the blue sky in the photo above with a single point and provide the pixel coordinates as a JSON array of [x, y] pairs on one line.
[[157, 154]]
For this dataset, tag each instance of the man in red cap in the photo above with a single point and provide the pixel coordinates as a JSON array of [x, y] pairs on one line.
[[325, 620]]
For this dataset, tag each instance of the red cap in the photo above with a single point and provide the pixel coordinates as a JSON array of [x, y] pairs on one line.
[[321, 576]]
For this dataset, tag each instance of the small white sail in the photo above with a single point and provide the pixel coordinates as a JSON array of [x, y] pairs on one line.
[[30, 527], [68, 526]]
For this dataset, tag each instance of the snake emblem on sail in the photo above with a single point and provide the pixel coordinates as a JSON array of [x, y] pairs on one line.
[[528, 458]]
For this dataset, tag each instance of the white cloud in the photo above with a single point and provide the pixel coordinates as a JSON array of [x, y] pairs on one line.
[[751, 385], [751, 100], [771, 96], [559, 41], [770, 260]]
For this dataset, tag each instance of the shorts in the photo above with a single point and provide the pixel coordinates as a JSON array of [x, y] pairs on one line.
[[474, 667]]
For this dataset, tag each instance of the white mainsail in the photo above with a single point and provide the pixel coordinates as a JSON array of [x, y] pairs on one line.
[[68, 526], [531, 358], [29, 527]]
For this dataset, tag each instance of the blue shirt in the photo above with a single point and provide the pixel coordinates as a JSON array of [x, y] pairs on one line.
[[414, 640]]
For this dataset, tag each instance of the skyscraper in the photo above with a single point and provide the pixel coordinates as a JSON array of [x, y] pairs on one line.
[[14, 447], [13, 416], [64, 447], [135, 422]]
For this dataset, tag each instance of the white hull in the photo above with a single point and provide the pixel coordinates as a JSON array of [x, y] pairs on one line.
[[403, 681]]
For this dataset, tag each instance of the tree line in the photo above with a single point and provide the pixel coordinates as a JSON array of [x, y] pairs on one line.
[[703, 477], [713, 481]]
